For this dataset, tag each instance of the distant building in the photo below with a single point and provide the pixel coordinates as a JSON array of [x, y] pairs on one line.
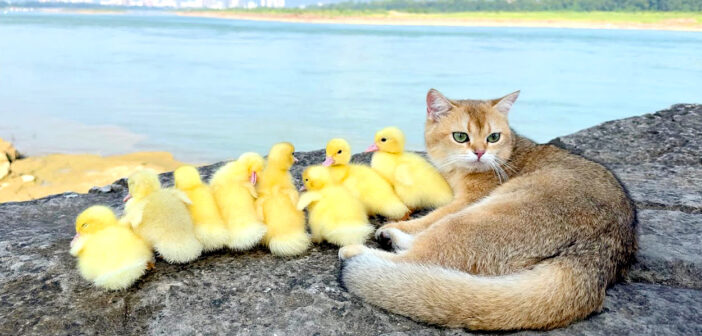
[[213, 4]]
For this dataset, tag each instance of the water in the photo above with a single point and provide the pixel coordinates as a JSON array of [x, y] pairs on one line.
[[209, 89]]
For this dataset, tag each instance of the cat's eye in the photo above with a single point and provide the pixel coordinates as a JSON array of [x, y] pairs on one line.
[[383, 139], [339, 152], [494, 137], [460, 137]]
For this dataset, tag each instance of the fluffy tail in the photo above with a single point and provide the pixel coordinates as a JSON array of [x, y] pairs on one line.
[[122, 278], [246, 236], [213, 236], [552, 294], [349, 234], [289, 244], [394, 210], [181, 251]]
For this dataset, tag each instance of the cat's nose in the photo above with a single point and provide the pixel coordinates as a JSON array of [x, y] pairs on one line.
[[479, 154]]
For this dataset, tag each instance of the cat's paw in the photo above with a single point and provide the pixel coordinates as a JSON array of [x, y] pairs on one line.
[[393, 238], [350, 251], [382, 236]]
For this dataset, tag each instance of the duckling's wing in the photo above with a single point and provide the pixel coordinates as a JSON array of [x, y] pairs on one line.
[[292, 194], [403, 175], [77, 245], [259, 207], [307, 198], [251, 190], [181, 195], [133, 214]]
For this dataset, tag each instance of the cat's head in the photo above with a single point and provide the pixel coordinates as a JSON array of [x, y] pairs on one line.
[[469, 135]]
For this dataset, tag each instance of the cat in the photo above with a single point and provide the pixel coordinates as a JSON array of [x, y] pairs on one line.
[[532, 239]]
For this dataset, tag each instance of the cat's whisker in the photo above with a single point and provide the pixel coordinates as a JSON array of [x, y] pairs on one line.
[[494, 170], [505, 164]]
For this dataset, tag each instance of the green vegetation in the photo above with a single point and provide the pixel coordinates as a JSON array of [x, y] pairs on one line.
[[639, 17], [429, 6]]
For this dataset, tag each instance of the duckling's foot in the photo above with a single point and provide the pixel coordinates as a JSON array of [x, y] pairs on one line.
[[407, 216], [150, 265]]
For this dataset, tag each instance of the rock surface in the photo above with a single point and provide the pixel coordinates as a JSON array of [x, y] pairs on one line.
[[657, 156]]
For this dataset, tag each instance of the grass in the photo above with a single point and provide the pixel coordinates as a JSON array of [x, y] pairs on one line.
[[691, 18]]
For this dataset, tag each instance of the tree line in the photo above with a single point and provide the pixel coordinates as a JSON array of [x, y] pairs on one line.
[[428, 6]]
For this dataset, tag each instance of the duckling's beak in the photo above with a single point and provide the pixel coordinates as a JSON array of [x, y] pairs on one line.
[[253, 178], [75, 239], [295, 160], [127, 198], [328, 161], [303, 188], [372, 148]]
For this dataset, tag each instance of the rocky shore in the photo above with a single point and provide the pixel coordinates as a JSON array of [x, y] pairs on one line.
[[657, 157]]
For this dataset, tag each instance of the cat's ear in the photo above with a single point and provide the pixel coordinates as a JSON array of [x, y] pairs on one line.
[[437, 105], [504, 104]]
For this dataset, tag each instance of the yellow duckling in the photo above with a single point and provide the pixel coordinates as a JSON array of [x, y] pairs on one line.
[[417, 183], [364, 183], [110, 255], [234, 190], [161, 218], [334, 214], [209, 226], [277, 202]]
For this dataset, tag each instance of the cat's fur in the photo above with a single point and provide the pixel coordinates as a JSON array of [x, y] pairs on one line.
[[532, 239]]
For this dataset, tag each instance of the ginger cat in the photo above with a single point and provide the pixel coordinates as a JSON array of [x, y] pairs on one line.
[[532, 239]]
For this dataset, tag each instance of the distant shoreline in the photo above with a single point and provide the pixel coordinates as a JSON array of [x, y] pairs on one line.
[[663, 21], [468, 19]]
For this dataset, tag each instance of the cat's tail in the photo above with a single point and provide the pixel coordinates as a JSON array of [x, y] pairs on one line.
[[552, 294]]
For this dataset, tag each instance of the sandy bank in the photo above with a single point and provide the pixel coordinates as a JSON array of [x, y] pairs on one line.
[[409, 19], [36, 177]]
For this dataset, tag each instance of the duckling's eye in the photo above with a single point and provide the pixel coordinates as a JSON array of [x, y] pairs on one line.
[[307, 180], [339, 152], [85, 225], [384, 139], [494, 137], [460, 137]]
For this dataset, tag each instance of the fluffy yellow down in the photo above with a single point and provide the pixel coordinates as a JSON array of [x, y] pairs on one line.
[[161, 218], [417, 183], [334, 214], [233, 187], [364, 183], [209, 226], [109, 255], [277, 202]]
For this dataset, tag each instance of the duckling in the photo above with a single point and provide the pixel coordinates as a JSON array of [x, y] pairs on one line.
[[234, 190], [209, 226], [161, 218], [417, 183], [110, 255], [334, 214], [277, 202], [364, 183]]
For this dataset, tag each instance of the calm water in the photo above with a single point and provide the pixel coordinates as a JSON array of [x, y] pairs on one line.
[[208, 89]]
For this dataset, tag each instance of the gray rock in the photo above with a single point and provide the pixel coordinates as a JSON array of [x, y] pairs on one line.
[[657, 156], [256, 293], [670, 249]]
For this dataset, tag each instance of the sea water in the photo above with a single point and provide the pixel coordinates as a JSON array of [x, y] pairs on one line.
[[209, 89]]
